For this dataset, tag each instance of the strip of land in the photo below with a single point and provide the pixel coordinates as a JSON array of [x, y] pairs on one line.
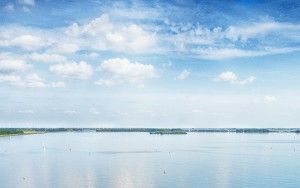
[[160, 131], [18, 131]]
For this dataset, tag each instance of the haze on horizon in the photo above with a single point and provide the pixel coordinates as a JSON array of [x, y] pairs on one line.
[[149, 63]]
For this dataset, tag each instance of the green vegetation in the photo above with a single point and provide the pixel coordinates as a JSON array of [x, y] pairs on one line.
[[252, 131], [169, 131], [7, 132], [18, 131]]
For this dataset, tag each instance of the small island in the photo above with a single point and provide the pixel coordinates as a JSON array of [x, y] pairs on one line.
[[168, 131]]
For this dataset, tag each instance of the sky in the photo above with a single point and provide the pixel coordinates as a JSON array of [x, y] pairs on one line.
[[205, 64]]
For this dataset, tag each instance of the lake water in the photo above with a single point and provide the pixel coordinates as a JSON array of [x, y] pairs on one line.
[[143, 160]]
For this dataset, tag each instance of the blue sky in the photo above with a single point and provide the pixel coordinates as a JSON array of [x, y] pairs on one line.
[[149, 63]]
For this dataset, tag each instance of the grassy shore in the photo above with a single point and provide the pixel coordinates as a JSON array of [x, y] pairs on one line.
[[16, 132]]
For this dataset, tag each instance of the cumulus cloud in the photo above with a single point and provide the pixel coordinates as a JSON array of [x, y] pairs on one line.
[[122, 70], [34, 80], [26, 42], [183, 75], [233, 79], [269, 99], [10, 79], [29, 80], [80, 70], [102, 34], [227, 76], [107, 34], [10, 63], [14, 71]]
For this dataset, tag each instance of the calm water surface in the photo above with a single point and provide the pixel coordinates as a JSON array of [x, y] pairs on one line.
[[143, 160]]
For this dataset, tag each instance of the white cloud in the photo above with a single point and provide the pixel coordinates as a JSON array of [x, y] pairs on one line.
[[80, 70], [223, 53], [233, 79], [110, 34], [246, 81], [196, 36], [47, 58], [106, 82], [183, 75], [223, 43], [122, 70], [227, 53], [105, 34], [33, 80], [27, 2], [269, 99], [26, 42], [102, 34], [9, 63], [65, 48], [30, 80], [58, 85], [254, 30], [227, 76], [10, 79], [14, 71]]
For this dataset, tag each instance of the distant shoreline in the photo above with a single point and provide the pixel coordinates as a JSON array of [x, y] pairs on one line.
[[18, 132], [161, 131]]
